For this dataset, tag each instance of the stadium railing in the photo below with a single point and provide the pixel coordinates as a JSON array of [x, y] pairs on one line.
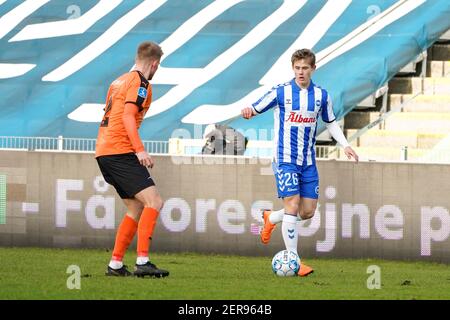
[[261, 148], [190, 147], [61, 144]]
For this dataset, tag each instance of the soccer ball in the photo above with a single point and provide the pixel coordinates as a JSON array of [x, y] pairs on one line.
[[286, 263]]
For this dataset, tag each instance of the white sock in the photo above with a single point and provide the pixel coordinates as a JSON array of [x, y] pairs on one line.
[[289, 231], [141, 260], [276, 217], [115, 264]]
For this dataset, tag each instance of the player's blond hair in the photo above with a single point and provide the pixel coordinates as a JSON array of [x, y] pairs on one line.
[[304, 54], [148, 50]]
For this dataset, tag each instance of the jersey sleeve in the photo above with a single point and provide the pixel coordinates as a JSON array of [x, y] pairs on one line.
[[267, 101], [137, 91], [129, 122], [327, 112]]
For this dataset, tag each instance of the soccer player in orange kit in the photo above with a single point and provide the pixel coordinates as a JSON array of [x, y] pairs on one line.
[[123, 161]]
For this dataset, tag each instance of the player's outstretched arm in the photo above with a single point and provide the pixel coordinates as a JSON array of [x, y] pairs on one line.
[[338, 135], [248, 112]]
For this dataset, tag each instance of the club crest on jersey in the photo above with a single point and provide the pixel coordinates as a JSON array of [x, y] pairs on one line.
[[142, 92], [297, 118]]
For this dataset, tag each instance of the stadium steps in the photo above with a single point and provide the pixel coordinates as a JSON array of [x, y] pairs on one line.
[[422, 103], [440, 51], [397, 139], [439, 69], [420, 125], [372, 153], [417, 85], [421, 122]]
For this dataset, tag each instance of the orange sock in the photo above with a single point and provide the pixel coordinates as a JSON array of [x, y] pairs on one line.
[[125, 234], [146, 226]]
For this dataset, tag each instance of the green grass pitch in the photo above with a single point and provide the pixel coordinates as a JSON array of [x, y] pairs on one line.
[[38, 273]]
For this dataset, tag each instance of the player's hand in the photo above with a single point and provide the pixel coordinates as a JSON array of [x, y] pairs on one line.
[[350, 153], [247, 113], [145, 159]]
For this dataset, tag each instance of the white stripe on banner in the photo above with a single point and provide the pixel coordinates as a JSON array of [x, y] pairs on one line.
[[182, 35], [366, 30], [223, 61], [67, 27], [90, 112], [11, 70], [116, 32], [312, 34], [363, 32], [11, 19]]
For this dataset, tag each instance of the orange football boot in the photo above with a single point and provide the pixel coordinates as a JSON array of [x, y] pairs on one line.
[[304, 270], [268, 228]]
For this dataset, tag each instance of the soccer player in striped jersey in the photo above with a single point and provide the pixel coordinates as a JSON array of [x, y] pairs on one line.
[[297, 106]]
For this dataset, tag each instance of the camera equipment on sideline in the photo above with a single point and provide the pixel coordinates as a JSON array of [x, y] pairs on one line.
[[224, 140]]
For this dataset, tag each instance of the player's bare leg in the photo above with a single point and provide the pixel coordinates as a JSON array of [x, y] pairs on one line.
[[307, 208], [150, 197], [152, 202], [134, 208], [125, 235]]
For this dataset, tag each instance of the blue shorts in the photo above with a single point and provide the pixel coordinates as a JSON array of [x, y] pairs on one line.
[[293, 179]]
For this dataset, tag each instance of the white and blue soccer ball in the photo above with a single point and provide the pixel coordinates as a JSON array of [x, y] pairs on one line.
[[286, 263]]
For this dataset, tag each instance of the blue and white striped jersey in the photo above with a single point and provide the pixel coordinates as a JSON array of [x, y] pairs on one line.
[[296, 112]]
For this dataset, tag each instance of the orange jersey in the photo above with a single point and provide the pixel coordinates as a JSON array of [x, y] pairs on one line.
[[112, 137]]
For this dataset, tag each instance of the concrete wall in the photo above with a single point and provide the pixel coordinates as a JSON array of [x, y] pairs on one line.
[[385, 210]]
